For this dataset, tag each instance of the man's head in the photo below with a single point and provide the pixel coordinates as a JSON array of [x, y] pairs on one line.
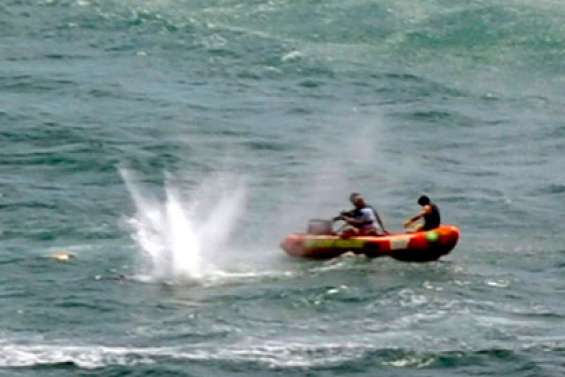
[[423, 200], [357, 200]]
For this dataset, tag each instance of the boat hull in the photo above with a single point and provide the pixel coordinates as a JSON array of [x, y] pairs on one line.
[[410, 247]]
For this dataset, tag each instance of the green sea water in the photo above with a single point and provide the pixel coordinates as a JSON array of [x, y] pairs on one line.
[[170, 145]]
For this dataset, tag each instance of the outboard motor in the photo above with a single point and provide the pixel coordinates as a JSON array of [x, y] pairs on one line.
[[320, 227]]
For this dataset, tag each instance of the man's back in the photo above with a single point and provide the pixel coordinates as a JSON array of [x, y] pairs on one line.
[[432, 218]]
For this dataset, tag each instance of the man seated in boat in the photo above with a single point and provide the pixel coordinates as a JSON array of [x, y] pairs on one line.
[[363, 220], [430, 215]]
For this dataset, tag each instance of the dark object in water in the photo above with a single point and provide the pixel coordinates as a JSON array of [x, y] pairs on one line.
[[320, 227]]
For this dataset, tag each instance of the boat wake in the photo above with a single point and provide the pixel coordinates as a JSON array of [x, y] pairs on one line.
[[178, 236]]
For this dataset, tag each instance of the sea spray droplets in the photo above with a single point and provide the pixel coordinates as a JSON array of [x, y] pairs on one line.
[[182, 244], [171, 242]]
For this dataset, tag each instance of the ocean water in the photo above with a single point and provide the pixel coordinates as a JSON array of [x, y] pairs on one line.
[[169, 145]]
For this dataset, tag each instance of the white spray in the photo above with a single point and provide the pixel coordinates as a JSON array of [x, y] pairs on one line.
[[179, 242]]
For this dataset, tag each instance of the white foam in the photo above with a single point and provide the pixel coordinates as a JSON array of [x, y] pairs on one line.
[[290, 353], [97, 356], [25, 356], [291, 56], [226, 276]]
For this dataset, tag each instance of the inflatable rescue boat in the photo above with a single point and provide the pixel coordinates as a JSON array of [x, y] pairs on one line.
[[420, 246]]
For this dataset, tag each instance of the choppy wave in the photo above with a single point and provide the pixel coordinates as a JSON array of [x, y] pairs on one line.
[[309, 101], [287, 356], [466, 35]]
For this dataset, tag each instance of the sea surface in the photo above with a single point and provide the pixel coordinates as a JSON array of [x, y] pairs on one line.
[[168, 146]]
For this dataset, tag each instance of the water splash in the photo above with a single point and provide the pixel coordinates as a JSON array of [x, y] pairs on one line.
[[179, 238]]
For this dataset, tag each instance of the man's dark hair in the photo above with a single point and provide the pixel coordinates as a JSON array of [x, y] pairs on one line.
[[353, 195], [423, 200]]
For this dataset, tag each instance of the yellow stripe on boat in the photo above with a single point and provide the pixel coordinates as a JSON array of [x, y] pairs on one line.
[[337, 243]]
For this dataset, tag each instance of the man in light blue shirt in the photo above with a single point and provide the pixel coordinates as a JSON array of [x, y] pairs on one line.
[[363, 219]]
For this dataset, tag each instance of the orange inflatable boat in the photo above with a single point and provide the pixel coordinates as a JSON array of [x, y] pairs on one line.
[[414, 247]]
